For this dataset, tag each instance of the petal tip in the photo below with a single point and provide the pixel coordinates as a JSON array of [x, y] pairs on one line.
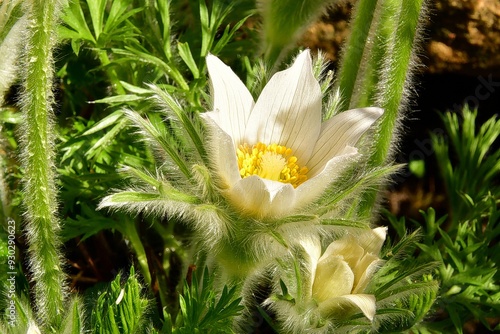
[[380, 232], [375, 111]]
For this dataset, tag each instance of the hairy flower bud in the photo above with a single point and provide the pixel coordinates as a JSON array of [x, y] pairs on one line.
[[332, 283]]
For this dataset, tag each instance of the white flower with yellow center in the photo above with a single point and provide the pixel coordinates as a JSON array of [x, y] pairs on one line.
[[275, 156]]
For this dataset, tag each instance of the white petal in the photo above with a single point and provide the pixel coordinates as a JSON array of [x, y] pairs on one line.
[[310, 190], [262, 198], [333, 278], [33, 329], [362, 281], [231, 98], [288, 112], [340, 131], [222, 153], [214, 116], [373, 240], [345, 306], [348, 249], [312, 246]]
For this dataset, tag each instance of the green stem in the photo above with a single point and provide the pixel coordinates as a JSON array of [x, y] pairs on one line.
[[235, 259], [369, 85], [130, 231], [396, 75], [40, 200], [284, 21], [393, 87], [113, 77], [354, 50]]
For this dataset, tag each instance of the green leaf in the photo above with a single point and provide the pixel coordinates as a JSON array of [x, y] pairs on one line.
[[170, 71], [202, 311], [133, 172], [478, 164], [186, 120], [119, 99], [97, 9], [85, 227], [228, 35], [120, 11], [284, 293], [74, 18], [210, 22], [120, 308], [135, 89], [129, 196], [163, 137], [107, 121], [417, 167], [138, 197], [104, 140], [187, 57], [73, 322], [66, 33]]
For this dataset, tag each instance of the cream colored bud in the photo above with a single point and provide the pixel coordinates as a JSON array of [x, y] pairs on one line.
[[343, 273]]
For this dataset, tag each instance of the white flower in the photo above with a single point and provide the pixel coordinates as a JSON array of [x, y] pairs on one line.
[[341, 274], [33, 329], [275, 156], [324, 289]]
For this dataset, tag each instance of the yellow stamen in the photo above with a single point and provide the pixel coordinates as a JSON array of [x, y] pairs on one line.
[[272, 162]]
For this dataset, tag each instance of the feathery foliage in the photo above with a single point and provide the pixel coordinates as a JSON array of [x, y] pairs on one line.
[[463, 243], [202, 310], [119, 308]]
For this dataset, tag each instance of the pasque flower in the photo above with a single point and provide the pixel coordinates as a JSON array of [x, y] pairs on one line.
[[332, 285], [344, 270], [274, 156]]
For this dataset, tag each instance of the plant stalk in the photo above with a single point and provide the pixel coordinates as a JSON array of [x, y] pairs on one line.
[[397, 72], [130, 231], [40, 195], [394, 87], [354, 51]]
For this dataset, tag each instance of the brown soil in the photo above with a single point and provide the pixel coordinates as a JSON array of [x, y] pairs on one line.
[[463, 36]]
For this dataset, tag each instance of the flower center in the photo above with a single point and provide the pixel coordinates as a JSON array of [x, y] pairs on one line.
[[272, 162]]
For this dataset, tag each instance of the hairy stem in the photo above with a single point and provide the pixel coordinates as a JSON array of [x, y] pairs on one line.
[[394, 86], [40, 200], [284, 20], [397, 71], [386, 23], [354, 50]]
